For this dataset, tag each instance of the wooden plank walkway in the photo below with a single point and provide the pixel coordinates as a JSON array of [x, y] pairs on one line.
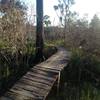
[[37, 83]]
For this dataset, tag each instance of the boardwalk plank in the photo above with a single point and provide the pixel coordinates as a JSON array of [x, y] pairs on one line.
[[37, 83]]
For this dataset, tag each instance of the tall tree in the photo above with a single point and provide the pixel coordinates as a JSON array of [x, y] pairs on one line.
[[39, 31], [63, 8], [63, 12], [95, 23], [95, 32]]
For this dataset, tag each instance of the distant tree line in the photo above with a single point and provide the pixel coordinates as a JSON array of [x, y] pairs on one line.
[[78, 32]]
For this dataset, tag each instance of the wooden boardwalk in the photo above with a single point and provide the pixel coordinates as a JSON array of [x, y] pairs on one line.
[[38, 82]]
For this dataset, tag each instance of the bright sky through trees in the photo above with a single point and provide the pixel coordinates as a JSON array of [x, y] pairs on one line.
[[89, 7]]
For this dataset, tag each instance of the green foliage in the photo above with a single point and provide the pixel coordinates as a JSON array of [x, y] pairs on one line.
[[84, 61], [49, 49], [88, 92], [46, 20], [3, 44], [84, 67], [14, 64], [30, 47], [58, 42]]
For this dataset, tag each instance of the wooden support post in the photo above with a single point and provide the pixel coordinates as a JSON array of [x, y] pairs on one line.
[[39, 31], [58, 84]]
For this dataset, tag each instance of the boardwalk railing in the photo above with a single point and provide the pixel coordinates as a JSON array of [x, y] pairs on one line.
[[38, 82]]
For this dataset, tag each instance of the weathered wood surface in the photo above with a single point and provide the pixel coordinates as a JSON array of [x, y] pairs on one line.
[[37, 83]]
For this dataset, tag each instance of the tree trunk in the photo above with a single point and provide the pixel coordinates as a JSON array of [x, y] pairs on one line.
[[39, 31]]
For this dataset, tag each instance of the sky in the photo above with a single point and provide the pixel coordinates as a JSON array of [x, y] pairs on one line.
[[90, 7], [82, 7]]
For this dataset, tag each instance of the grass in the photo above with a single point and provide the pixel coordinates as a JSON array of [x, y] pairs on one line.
[[56, 42], [89, 92]]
